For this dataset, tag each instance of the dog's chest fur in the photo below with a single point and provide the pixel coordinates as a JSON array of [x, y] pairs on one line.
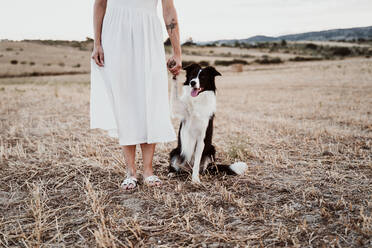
[[194, 125]]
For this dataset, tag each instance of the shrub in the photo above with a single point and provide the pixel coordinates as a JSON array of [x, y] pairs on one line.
[[247, 56], [189, 43], [263, 45], [77, 66], [268, 60], [341, 51], [61, 64], [32, 63], [311, 46], [230, 62], [204, 63], [236, 44], [14, 62], [186, 63], [301, 59], [201, 63], [211, 45], [195, 53], [8, 49], [23, 62], [328, 57]]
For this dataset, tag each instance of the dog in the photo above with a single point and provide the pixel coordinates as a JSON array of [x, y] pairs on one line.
[[196, 110]]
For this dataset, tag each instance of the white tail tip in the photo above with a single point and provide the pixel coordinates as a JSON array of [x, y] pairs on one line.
[[239, 167]]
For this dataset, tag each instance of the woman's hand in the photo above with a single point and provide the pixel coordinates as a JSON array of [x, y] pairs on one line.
[[174, 64], [98, 55], [99, 13]]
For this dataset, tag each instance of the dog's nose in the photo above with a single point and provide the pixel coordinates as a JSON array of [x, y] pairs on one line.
[[192, 83]]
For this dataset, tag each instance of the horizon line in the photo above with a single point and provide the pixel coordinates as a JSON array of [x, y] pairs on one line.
[[222, 39]]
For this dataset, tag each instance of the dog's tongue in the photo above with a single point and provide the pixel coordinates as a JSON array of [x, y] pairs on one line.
[[194, 92]]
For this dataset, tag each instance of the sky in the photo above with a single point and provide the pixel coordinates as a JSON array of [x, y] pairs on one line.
[[203, 20]]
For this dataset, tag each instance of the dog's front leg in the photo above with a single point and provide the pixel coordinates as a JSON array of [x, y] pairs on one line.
[[198, 154]]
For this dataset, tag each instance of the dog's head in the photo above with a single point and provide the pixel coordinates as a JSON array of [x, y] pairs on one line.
[[200, 79]]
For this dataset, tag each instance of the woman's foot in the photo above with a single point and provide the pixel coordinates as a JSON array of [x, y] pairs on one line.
[[129, 184], [152, 181]]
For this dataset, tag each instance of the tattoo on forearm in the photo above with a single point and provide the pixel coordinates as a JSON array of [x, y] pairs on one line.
[[171, 25]]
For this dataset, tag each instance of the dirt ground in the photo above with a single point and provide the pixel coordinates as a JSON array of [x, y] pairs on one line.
[[304, 129]]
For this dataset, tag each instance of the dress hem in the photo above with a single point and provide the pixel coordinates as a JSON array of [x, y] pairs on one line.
[[148, 141]]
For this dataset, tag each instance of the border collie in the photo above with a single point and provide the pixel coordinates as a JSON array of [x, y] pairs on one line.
[[196, 109]]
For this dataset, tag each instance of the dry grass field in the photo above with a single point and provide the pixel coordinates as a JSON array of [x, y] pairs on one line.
[[33, 59], [304, 129]]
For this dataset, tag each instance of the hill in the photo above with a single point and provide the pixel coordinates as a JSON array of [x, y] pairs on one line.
[[348, 34]]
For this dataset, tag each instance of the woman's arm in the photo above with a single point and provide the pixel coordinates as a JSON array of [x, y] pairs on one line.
[[99, 13], [171, 23]]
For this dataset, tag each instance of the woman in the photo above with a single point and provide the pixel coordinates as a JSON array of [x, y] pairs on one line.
[[129, 81]]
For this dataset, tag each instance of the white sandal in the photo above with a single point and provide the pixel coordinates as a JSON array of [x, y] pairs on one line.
[[152, 181], [127, 182]]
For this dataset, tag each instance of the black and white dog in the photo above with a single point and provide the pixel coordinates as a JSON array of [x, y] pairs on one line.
[[196, 109]]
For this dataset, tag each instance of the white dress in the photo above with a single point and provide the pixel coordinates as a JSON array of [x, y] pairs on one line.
[[129, 95]]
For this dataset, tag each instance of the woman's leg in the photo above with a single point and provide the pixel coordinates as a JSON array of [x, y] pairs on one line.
[[147, 156], [130, 156]]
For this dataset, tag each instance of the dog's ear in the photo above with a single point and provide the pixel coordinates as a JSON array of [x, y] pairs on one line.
[[192, 67], [212, 71]]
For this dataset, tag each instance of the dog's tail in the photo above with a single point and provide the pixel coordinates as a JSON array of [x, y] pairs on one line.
[[237, 168]]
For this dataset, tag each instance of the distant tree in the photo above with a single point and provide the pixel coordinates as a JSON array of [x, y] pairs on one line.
[[189, 42], [283, 43]]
